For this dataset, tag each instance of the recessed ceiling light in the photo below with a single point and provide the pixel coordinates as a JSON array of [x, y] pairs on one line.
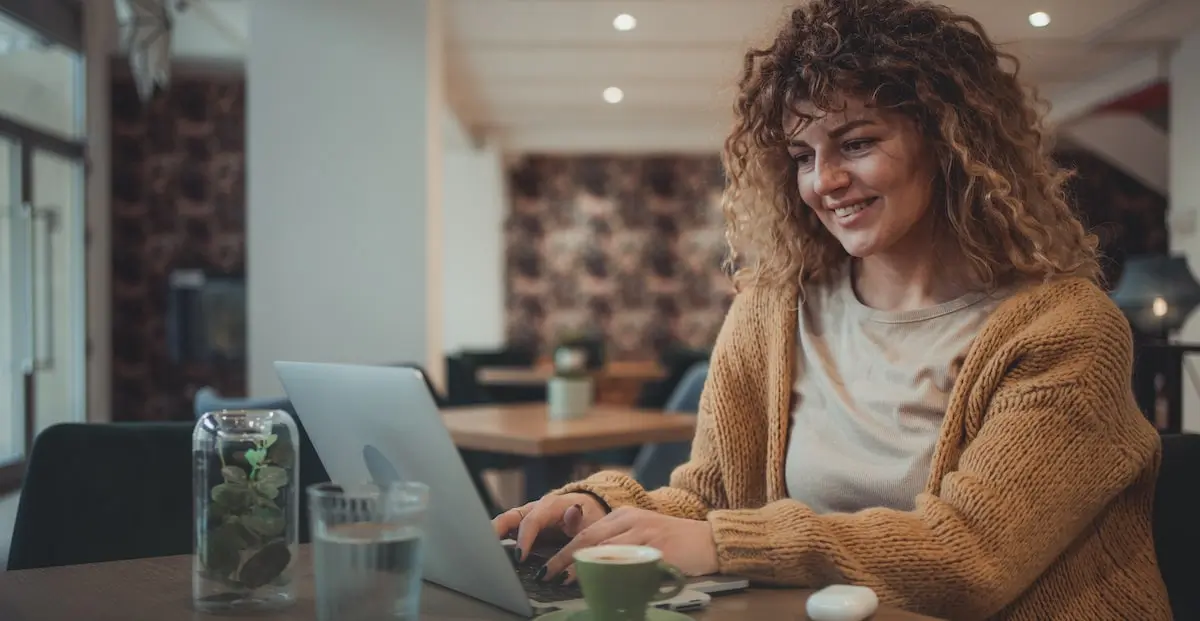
[[1039, 20], [613, 95], [624, 22]]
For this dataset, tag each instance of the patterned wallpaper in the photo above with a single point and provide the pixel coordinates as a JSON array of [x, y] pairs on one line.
[[630, 247], [178, 185]]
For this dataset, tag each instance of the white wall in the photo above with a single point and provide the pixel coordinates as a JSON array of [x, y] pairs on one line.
[[1185, 191], [1128, 141], [475, 204], [342, 186]]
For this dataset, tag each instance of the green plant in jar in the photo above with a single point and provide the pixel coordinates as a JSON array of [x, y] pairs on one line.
[[247, 519]]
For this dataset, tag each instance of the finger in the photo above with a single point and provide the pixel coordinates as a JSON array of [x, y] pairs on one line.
[[573, 520], [543, 514], [603, 530], [505, 523], [570, 579]]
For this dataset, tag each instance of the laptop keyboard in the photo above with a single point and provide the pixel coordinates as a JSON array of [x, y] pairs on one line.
[[544, 590]]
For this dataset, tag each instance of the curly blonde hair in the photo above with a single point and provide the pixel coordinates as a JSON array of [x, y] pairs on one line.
[[999, 191]]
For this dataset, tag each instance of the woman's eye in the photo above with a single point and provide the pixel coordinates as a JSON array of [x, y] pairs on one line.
[[802, 158], [859, 145]]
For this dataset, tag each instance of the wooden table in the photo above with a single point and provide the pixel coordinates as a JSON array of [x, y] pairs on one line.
[[160, 590], [526, 429], [540, 374], [549, 446], [617, 383]]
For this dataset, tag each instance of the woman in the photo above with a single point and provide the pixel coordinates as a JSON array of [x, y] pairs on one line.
[[919, 388]]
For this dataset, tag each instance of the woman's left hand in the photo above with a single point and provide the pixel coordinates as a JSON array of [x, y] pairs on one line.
[[686, 544]]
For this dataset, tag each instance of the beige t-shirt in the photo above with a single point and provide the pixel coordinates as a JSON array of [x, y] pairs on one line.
[[871, 390]]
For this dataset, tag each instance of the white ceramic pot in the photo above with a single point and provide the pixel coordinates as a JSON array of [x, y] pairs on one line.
[[569, 397]]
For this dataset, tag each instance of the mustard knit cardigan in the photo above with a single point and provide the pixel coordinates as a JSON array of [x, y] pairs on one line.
[[1038, 503]]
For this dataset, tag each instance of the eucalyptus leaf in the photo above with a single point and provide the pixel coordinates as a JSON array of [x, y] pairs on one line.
[[266, 521], [233, 474], [281, 452], [272, 476], [255, 456], [265, 565], [217, 513], [268, 492], [232, 496], [222, 552]]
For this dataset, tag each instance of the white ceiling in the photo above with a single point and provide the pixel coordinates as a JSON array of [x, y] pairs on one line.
[[530, 73]]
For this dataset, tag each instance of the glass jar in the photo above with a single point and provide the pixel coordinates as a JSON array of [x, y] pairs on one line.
[[245, 491]]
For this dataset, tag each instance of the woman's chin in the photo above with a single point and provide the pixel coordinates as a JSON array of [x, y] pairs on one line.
[[859, 248]]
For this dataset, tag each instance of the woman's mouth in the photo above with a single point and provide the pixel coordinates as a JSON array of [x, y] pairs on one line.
[[849, 210]]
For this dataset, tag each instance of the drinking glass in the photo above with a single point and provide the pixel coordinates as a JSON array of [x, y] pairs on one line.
[[368, 548]]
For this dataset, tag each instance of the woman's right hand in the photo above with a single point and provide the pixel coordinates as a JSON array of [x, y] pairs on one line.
[[567, 513]]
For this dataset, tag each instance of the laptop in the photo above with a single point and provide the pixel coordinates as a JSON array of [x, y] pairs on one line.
[[377, 423]]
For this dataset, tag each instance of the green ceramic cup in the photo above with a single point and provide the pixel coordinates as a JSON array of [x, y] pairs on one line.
[[619, 582]]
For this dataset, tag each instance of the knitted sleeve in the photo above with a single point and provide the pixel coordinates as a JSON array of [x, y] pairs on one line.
[[1060, 439]]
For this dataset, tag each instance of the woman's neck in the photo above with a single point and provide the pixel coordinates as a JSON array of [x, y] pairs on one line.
[[909, 281]]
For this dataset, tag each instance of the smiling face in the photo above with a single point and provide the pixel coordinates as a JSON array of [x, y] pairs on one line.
[[867, 175]]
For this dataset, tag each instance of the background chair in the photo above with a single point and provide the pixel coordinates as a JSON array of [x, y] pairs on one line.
[[676, 362], [1176, 516], [655, 395], [654, 462], [105, 492], [463, 387]]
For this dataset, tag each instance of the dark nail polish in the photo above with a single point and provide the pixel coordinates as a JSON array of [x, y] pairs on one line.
[[517, 553], [541, 573], [561, 578]]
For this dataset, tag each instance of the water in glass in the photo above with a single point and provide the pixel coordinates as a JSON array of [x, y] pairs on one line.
[[368, 554]]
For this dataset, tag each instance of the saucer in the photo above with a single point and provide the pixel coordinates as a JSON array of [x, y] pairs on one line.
[[652, 614]]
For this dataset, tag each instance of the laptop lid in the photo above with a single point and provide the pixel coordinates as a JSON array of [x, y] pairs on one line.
[[376, 423]]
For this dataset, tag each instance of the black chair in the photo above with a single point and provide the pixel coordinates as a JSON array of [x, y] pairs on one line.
[[502, 357], [676, 361], [105, 492], [1176, 516], [464, 388]]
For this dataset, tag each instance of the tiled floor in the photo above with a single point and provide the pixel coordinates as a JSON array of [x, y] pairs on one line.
[[8, 516]]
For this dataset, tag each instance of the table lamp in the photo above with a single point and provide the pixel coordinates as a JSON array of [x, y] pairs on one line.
[[1157, 293]]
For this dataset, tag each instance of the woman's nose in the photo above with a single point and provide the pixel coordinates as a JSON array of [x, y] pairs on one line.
[[830, 178]]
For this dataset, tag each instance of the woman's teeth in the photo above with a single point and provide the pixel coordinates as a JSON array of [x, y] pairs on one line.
[[850, 210]]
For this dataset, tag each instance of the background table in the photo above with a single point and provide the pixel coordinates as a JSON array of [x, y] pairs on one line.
[[540, 374], [616, 383], [160, 590], [550, 446]]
